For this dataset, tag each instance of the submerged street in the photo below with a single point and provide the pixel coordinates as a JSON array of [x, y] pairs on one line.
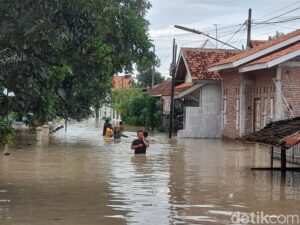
[[79, 178]]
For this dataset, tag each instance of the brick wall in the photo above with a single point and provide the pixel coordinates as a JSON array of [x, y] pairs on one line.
[[290, 81], [258, 85], [231, 87], [261, 89]]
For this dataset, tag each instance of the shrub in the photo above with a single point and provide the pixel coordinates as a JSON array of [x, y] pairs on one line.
[[6, 132]]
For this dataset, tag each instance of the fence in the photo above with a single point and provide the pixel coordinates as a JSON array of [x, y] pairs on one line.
[[292, 154]]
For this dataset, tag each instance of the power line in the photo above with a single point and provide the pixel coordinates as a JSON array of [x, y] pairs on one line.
[[280, 21], [199, 32], [285, 7], [275, 17], [189, 34], [235, 33]]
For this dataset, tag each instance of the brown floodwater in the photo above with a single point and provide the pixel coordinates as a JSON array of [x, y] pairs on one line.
[[79, 178]]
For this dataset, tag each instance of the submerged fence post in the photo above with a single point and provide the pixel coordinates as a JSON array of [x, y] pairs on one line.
[[283, 159], [272, 157]]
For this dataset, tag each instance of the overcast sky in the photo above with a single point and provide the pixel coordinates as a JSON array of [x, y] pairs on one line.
[[229, 15]]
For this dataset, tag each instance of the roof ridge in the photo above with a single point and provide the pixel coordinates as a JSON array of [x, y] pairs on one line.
[[259, 48], [207, 49]]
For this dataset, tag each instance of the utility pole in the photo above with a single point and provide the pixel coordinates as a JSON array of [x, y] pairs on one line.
[[199, 32], [249, 23], [153, 70], [216, 25], [172, 73]]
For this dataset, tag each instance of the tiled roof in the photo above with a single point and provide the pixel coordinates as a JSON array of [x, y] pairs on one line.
[[182, 87], [163, 89], [199, 59], [256, 43], [122, 81], [258, 48], [284, 133], [276, 55]]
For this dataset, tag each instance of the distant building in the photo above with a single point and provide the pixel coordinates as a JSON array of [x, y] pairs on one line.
[[260, 85]]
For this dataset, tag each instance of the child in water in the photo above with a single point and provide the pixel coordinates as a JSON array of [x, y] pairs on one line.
[[117, 133], [109, 131]]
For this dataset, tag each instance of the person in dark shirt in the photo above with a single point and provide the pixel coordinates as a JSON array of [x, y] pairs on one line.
[[141, 144], [105, 126]]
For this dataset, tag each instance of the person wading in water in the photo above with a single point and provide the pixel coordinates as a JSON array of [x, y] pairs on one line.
[[141, 144]]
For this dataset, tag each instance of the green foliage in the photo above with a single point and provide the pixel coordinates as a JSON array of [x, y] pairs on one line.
[[121, 99], [58, 57], [144, 76], [137, 108], [6, 132]]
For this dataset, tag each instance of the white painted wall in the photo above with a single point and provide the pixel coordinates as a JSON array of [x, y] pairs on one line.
[[188, 78], [205, 121]]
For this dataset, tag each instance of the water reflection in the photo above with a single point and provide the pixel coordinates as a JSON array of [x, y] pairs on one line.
[[77, 178]]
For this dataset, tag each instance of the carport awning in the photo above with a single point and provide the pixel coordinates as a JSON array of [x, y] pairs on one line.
[[187, 91]]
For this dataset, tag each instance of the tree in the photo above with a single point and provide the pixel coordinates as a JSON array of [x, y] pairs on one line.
[[136, 107], [144, 76], [277, 35], [58, 57], [121, 99]]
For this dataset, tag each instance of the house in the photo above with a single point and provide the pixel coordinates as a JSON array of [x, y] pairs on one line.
[[119, 82], [201, 98], [260, 85], [163, 92]]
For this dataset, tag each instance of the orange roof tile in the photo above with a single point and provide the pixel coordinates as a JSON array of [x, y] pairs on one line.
[[256, 43], [276, 55], [122, 81], [260, 47], [163, 89], [292, 140], [199, 59], [182, 87]]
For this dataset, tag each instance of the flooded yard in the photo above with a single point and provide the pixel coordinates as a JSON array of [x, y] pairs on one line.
[[79, 178]]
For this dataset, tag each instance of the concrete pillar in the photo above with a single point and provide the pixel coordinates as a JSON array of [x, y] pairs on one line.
[[279, 110], [39, 133], [6, 151], [242, 105], [45, 131]]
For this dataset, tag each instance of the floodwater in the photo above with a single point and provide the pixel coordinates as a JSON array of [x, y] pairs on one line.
[[79, 178]]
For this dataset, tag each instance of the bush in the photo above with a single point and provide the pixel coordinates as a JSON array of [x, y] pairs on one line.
[[6, 132]]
